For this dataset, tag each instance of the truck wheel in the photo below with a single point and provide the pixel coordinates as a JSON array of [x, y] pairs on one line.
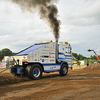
[[64, 70], [34, 71]]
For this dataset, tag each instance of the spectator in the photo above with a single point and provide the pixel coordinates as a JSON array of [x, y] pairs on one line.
[[87, 62], [7, 61], [78, 63], [3, 60]]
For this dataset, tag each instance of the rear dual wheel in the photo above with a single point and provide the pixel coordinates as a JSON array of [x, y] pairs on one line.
[[34, 71]]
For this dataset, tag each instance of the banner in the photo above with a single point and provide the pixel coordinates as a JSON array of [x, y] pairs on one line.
[[82, 62], [2, 65]]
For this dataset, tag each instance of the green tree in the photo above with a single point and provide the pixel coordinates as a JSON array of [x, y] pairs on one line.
[[81, 57], [0, 55], [5, 52], [78, 56], [75, 55], [91, 57]]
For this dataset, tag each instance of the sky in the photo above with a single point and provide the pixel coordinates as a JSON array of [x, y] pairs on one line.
[[80, 26]]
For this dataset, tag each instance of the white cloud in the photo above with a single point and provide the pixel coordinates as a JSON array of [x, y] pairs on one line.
[[87, 16], [80, 26]]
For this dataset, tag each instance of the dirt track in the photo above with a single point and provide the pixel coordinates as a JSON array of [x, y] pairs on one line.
[[77, 85]]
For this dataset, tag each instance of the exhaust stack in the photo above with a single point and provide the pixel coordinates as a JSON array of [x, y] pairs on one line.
[[57, 61]]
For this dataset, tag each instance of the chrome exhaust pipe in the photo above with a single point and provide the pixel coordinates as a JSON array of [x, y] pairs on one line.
[[57, 61]]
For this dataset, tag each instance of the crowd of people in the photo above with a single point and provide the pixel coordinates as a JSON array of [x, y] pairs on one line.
[[6, 61]]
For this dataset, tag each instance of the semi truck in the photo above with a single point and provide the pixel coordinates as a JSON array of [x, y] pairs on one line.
[[42, 57]]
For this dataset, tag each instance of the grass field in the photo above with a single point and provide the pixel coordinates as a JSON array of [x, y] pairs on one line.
[[90, 61]]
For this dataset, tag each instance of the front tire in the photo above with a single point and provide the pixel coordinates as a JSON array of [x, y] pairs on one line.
[[34, 71], [64, 70]]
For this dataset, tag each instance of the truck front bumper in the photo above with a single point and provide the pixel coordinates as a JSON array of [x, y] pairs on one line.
[[19, 70]]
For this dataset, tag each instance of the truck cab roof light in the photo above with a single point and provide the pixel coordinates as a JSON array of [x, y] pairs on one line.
[[65, 42], [45, 41]]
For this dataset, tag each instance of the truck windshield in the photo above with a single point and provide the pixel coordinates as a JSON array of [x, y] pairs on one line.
[[68, 50]]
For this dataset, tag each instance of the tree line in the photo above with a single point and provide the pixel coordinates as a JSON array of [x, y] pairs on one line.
[[81, 57]]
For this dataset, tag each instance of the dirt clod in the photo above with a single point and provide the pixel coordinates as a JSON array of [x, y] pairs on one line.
[[6, 79]]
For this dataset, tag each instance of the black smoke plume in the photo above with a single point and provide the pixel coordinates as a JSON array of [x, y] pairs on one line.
[[47, 11]]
